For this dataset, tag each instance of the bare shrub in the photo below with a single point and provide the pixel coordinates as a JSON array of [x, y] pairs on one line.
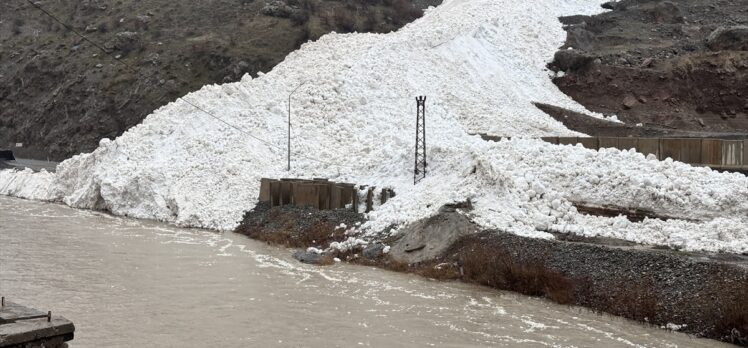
[[300, 17], [497, 268], [344, 20]]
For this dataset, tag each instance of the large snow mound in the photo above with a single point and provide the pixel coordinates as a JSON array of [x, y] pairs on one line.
[[482, 65]]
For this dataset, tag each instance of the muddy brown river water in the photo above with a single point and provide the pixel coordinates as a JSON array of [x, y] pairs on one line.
[[131, 283]]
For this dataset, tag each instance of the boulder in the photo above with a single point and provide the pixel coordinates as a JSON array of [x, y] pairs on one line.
[[309, 257], [733, 38], [570, 60], [629, 102], [373, 251], [277, 9]]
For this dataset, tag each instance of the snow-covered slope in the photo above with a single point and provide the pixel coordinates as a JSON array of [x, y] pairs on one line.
[[480, 62]]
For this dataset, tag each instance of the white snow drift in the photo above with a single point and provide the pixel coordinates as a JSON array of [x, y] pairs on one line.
[[480, 62]]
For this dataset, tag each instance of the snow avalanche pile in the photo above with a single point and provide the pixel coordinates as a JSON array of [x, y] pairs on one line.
[[481, 63]]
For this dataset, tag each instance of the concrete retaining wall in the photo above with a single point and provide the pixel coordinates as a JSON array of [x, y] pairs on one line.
[[717, 153], [320, 194]]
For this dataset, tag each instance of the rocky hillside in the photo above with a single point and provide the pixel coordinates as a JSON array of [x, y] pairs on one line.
[[59, 94], [680, 64]]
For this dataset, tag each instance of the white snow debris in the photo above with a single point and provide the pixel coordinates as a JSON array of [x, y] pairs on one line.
[[481, 64]]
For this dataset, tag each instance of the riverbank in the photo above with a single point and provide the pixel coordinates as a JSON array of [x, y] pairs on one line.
[[697, 293]]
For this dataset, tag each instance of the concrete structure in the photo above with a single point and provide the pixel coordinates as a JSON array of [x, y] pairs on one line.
[[319, 194], [24, 327]]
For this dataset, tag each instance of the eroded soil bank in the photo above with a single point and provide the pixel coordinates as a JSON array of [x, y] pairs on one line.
[[697, 293], [679, 64]]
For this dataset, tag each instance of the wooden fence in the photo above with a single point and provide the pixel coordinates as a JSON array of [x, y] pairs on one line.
[[716, 153], [320, 194]]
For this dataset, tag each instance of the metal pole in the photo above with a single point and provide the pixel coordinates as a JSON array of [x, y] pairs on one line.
[[289, 132], [289, 123]]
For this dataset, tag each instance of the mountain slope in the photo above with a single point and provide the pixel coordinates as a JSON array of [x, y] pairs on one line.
[[59, 95]]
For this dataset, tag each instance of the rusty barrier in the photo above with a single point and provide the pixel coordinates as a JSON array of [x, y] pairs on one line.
[[321, 194]]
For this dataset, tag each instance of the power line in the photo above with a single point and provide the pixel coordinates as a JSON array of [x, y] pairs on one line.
[[133, 69]]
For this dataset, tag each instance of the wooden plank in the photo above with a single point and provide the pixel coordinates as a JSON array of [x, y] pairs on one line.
[[306, 194], [552, 140], [335, 193], [286, 192], [370, 199], [589, 142], [568, 140], [691, 151], [649, 146], [264, 190], [670, 147], [323, 196], [711, 151], [732, 152], [275, 189], [607, 142], [627, 143]]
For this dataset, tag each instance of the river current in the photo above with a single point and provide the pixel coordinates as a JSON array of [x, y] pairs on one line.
[[132, 283]]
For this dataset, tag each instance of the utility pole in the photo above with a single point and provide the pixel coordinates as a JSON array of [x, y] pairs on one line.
[[289, 123], [420, 168]]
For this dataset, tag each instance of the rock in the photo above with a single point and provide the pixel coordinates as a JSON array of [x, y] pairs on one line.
[[277, 9], [373, 251], [126, 41], [570, 60], [701, 122], [309, 257], [733, 38], [91, 28], [647, 62], [629, 102], [666, 12]]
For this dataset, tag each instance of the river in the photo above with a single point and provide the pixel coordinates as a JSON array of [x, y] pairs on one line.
[[132, 283]]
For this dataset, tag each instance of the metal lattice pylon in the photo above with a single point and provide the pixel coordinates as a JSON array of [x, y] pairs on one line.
[[420, 169]]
